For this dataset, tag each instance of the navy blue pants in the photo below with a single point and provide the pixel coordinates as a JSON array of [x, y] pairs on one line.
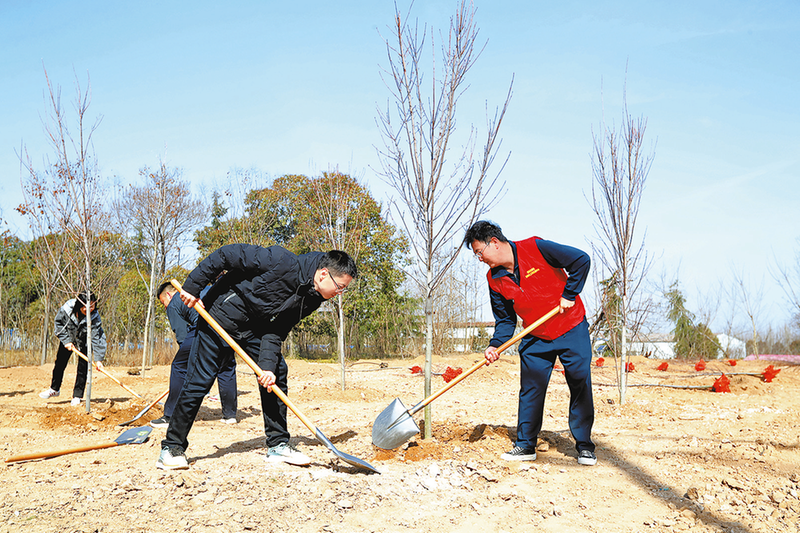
[[226, 380], [537, 358], [210, 353], [62, 359]]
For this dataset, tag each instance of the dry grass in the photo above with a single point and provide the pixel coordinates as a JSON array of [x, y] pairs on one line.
[[162, 356]]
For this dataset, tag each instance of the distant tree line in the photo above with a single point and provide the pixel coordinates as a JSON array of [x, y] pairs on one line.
[[136, 253]]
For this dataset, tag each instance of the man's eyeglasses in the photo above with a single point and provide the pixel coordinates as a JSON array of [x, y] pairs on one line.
[[479, 255], [339, 288]]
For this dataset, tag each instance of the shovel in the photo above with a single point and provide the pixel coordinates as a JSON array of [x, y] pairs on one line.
[[130, 436], [143, 411], [118, 382], [347, 458], [395, 424]]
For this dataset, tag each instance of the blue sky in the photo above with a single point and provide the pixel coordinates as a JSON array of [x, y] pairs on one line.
[[293, 88]]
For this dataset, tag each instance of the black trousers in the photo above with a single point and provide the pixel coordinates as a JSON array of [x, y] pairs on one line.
[[210, 353], [226, 380], [62, 359]]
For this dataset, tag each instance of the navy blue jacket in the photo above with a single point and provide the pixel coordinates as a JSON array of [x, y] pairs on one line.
[[182, 318]]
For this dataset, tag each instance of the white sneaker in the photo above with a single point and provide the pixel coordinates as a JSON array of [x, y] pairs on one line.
[[75, 401], [49, 393], [229, 420], [172, 459], [288, 454]]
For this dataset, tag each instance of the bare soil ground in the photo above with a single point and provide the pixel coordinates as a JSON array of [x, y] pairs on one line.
[[670, 459]]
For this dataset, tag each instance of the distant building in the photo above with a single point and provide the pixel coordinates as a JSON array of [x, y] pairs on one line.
[[471, 336], [662, 346]]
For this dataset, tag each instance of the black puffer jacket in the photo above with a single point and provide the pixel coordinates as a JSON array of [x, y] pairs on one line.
[[264, 293]]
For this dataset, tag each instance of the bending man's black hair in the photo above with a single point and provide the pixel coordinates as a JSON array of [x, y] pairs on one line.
[[338, 262], [483, 231], [83, 299], [164, 287]]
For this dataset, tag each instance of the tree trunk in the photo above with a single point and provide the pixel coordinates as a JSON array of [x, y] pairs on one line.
[[340, 340], [89, 347], [623, 376], [428, 352], [147, 345], [45, 328]]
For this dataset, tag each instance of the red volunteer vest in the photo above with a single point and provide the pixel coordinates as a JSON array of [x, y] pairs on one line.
[[539, 290]]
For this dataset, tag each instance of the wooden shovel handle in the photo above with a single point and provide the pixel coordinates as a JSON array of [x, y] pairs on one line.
[[246, 358], [56, 453], [510, 342], [118, 382]]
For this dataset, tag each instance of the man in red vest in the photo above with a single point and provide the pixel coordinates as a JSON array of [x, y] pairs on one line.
[[527, 279]]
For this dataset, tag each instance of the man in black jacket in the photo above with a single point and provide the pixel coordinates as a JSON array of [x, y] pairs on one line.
[[264, 293]]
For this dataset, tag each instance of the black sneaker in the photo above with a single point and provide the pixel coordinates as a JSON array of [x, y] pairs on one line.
[[519, 454], [162, 422], [585, 457]]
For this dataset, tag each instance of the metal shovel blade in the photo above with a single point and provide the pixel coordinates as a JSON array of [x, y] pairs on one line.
[[143, 411], [393, 426], [346, 457], [134, 435]]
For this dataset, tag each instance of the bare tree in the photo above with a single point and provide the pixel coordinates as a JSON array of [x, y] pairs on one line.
[[788, 277], [165, 212], [335, 207], [438, 195], [749, 300], [620, 167], [48, 258], [65, 199]]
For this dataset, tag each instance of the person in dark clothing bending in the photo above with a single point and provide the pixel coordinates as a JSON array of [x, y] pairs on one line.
[[71, 328], [183, 321], [264, 293], [527, 279]]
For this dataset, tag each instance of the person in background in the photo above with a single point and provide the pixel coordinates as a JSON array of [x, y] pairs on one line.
[[527, 279], [183, 321], [71, 328]]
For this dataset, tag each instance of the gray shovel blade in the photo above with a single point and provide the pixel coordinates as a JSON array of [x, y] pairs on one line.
[[393, 426], [346, 457], [134, 435]]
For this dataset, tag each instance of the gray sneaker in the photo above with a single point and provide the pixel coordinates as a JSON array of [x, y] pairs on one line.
[[585, 457], [519, 454], [172, 459], [288, 454]]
